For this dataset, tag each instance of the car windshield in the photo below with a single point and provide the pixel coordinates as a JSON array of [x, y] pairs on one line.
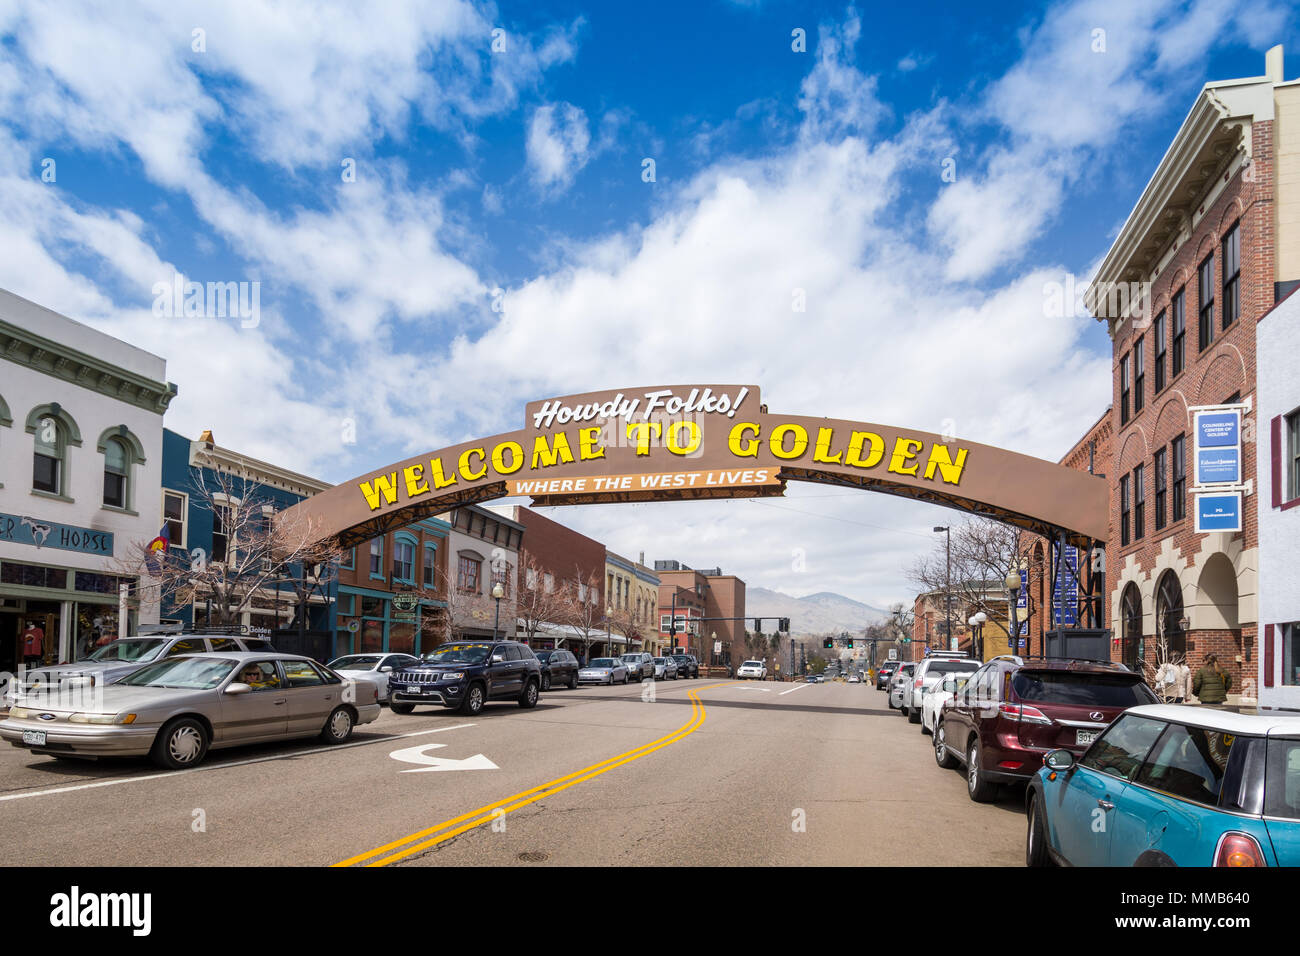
[[660, 660], [459, 654], [127, 650], [604, 662], [357, 662], [1093, 690], [543, 656], [632, 658], [947, 667], [190, 673]]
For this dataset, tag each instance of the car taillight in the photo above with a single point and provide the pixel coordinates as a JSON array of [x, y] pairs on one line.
[[1023, 712], [917, 683], [1239, 849]]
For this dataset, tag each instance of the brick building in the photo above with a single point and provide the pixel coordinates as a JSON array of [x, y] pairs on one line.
[[681, 593], [483, 551], [1213, 241]]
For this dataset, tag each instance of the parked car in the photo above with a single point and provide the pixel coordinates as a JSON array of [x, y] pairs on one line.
[[604, 670], [885, 673], [855, 679], [939, 693], [930, 671], [752, 670], [897, 683], [1012, 712], [178, 708], [665, 668], [1178, 786], [640, 666], [126, 655], [687, 665], [558, 667], [466, 675], [372, 669]]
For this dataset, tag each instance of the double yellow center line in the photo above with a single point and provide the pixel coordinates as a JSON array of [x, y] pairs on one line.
[[424, 839]]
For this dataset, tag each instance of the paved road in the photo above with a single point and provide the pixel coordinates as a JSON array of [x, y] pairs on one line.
[[708, 773]]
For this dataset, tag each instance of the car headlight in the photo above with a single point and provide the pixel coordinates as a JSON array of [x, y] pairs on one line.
[[458, 675], [21, 713], [102, 719]]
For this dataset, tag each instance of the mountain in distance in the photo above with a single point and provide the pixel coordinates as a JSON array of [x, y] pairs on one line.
[[820, 613]]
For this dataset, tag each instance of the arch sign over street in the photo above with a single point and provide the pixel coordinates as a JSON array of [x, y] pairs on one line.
[[703, 441]]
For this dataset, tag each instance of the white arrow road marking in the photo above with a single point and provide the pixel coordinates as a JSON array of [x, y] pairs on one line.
[[765, 690], [418, 755]]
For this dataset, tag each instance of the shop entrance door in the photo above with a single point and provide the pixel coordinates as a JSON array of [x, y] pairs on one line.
[[9, 650]]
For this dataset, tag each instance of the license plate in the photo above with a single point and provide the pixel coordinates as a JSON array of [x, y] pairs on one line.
[[414, 689], [34, 737], [1085, 736]]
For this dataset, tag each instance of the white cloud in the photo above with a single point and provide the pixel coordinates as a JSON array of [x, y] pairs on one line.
[[558, 145]]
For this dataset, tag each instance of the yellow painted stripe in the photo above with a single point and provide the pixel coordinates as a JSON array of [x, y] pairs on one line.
[[476, 818]]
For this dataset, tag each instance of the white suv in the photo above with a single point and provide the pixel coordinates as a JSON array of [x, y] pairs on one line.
[[754, 669], [931, 671]]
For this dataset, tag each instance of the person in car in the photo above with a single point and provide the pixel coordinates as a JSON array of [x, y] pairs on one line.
[[255, 678]]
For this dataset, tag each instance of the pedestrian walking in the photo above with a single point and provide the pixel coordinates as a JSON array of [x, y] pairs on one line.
[[1212, 682]]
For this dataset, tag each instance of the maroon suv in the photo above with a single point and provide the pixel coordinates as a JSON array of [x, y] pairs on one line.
[[1012, 712]]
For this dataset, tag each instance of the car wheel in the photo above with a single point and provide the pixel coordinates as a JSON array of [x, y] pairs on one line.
[[473, 702], [546, 682], [941, 756], [913, 716], [182, 743], [339, 727], [573, 682], [529, 696], [1036, 835], [925, 731], [902, 709], [977, 785], [397, 708]]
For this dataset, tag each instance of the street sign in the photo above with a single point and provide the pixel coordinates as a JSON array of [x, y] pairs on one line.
[[1218, 512], [717, 647], [893, 653]]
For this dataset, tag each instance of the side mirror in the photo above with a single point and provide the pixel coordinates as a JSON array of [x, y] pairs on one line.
[[239, 688], [498, 658], [1059, 760], [386, 669]]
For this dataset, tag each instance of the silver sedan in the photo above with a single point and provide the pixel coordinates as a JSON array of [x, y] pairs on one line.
[[177, 709], [603, 670], [665, 668]]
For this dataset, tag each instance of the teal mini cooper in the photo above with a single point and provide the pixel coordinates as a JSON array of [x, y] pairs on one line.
[[1172, 785]]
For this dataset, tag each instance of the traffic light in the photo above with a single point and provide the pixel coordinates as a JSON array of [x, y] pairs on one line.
[[829, 642], [850, 643], [785, 625], [758, 625]]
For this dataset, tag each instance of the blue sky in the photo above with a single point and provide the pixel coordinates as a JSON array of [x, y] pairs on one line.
[[520, 169]]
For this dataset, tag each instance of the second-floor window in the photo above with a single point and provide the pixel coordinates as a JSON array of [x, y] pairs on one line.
[[221, 531], [1139, 374], [1124, 389], [1205, 296], [467, 576], [1178, 345], [1159, 370], [1231, 275], [1292, 477], [1162, 490], [377, 557], [117, 465], [1139, 502], [174, 516], [1124, 512], [1178, 452], [48, 458], [403, 560], [430, 566]]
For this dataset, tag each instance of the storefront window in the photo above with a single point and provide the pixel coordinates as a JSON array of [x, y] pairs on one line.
[[96, 626], [401, 638], [372, 637], [372, 606], [33, 575]]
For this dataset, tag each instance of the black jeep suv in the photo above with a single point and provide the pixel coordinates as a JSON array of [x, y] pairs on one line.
[[466, 675], [687, 665]]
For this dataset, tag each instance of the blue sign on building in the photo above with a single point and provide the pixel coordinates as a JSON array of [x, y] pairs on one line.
[[1218, 429], [24, 529], [1218, 465], [1218, 512], [1066, 614]]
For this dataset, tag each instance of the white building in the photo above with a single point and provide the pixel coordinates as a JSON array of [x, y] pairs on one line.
[[81, 417], [1278, 361]]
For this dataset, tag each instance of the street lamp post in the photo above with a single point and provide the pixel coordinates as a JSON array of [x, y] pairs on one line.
[[977, 622], [498, 592], [1013, 597], [947, 588], [609, 634]]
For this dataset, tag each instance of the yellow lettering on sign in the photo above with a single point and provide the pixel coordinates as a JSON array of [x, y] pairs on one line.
[[692, 443], [822, 452], [589, 446], [440, 480], [777, 441], [415, 483], [516, 457], [551, 454], [641, 432], [854, 455], [467, 470], [741, 446], [905, 450], [385, 485], [941, 458]]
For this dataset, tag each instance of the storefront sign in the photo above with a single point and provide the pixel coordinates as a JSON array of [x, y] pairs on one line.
[[1217, 452], [691, 442], [1220, 512], [21, 529]]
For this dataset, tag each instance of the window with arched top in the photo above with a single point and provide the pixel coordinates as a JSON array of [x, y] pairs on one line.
[[53, 432], [1131, 611], [122, 451], [1169, 614]]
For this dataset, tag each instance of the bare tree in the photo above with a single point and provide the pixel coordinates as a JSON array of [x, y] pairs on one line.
[[254, 551], [539, 601], [583, 609]]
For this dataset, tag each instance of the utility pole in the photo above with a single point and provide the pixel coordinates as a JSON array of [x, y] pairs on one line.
[[947, 588]]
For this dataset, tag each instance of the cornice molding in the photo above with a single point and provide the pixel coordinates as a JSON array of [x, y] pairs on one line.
[[24, 347]]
